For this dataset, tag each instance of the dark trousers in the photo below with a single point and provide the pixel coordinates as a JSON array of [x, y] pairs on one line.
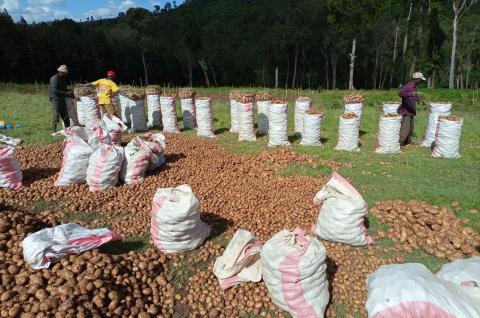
[[406, 130], [59, 109]]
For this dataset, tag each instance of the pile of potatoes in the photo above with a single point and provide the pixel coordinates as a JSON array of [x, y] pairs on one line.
[[354, 99], [436, 230]]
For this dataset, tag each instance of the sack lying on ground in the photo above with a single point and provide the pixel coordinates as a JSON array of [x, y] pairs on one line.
[[246, 129], [348, 133], [234, 116], [411, 290], [169, 114], [465, 272], [436, 110], [175, 220], [138, 157], [138, 121], [203, 108], [115, 127], [124, 108], [240, 261], [447, 137], [294, 271], [342, 213], [50, 245], [157, 145], [354, 108], [278, 124], [72, 111], [188, 112], [301, 105], [90, 110], [103, 167], [10, 170], [153, 110], [389, 134], [390, 107], [263, 108], [10, 140], [312, 124]]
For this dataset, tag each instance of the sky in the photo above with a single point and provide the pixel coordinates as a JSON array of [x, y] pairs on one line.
[[47, 10]]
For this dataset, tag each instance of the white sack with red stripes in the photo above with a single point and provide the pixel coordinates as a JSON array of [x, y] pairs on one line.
[[10, 170], [464, 272], [103, 167], [115, 127], [342, 213], [137, 159], [156, 143], [50, 245], [294, 271], [175, 220]]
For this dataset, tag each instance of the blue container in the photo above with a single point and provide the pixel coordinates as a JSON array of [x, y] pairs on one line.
[[8, 126]]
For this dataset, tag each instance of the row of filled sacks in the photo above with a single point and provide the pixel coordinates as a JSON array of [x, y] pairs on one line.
[[91, 156]]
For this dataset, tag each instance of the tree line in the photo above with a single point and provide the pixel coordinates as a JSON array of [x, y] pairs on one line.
[[283, 43]]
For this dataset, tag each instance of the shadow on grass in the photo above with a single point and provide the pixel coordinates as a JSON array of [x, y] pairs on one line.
[[362, 132], [220, 131], [134, 244], [295, 137], [219, 227]]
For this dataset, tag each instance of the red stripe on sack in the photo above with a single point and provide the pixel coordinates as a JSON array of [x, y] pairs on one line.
[[96, 240], [67, 144], [345, 183], [410, 309], [135, 177], [99, 168], [154, 227], [228, 282]]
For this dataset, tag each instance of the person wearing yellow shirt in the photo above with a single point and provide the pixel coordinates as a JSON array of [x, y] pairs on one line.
[[106, 89]]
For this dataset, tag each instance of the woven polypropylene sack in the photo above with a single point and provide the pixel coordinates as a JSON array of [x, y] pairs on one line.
[[278, 125], [124, 109], [10, 170], [154, 114], [175, 220], [389, 135], [138, 121], [203, 109], [354, 108], [80, 112], [312, 124], [294, 271], [103, 167], [411, 290], [91, 111], [263, 108], [138, 156], [342, 214], [390, 108], [348, 132], [188, 112], [115, 127], [234, 116], [301, 105], [447, 138], [465, 272], [436, 110], [72, 112], [169, 114], [157, 145], [246, 128]]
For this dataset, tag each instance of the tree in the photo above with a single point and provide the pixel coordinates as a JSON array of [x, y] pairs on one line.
[[460, 7], [436, 39]]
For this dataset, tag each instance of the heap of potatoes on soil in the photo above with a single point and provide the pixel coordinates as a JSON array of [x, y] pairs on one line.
[[235, 191]]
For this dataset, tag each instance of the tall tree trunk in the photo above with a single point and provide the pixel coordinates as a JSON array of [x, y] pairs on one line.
[[352, 65], [397, 30], [295, 66], [413, 65], [374, 76], [190, 74], [405, 38], [333, 60], [454, 52], [144, 67], [288, 72], [213, 74], [276, 77], [434, 73], [327, 66], [381, 73]]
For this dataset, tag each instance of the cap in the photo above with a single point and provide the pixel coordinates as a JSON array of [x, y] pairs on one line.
[[419, 75], [63, 68], [111, 74]]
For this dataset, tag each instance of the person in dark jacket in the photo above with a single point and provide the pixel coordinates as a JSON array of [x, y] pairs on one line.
[[58, 94], [408, 108]]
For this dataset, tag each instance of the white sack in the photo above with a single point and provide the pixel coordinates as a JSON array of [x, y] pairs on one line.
[[411, 290], [10, 170], [246, 129], [234, 116], [90, 109], [169, 114], [342, 213], [312, 125], [240, 261], [138, 156], [263, 108], [348, 132], [436, 110], [294, 271], [50, 245], [153, 111], [203, 109], [157, 145], [278, 125], [354, 108], [389, 135], [188, 112], [72, 112], [124, 108], [301, 106], [137, 116], [447, 138], [103, 167], [175, 220], [115, 127], [390, 108], [10, 140], [465, 272], [80, 112]]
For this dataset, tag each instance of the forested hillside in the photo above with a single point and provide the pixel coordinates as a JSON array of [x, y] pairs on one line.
[[308, 43]]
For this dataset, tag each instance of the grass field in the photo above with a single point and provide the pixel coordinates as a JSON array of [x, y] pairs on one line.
[[413, 174]]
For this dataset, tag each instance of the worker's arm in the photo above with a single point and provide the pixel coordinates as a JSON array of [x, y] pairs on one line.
[[57, 90], [406, 91], [96, 83], [114, 88]]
